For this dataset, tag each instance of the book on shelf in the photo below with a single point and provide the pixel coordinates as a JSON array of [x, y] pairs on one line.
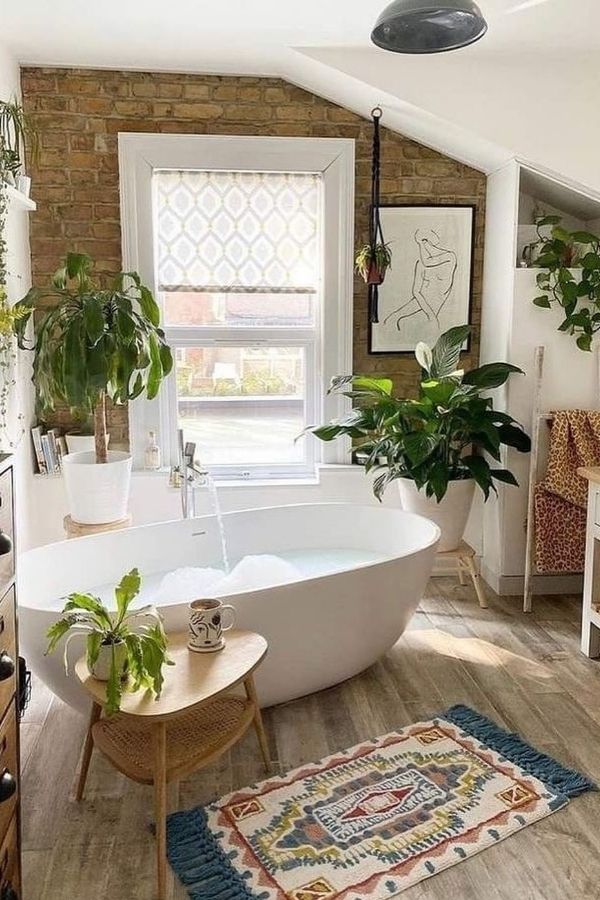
[[36, 436], [49, 447]]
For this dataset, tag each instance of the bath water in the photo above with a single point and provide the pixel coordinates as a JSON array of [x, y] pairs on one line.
[[250, 573]]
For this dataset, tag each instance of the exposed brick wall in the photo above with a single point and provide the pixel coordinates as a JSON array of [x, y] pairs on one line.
[[79, 113]]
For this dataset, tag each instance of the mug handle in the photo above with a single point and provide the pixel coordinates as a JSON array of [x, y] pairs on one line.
[[230, 609]]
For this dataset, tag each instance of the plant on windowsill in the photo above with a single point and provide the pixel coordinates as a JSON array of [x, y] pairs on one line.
[[92, 344], [577, 292], [126, 648], [372, 264], [433, 446]]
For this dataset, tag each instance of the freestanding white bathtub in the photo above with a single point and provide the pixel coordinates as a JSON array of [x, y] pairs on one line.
[[355, 596]]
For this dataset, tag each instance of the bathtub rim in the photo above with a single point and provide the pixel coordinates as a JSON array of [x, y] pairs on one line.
[[387, 558]]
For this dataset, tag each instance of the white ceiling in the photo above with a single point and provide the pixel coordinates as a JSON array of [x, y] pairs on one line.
[[324, 45]]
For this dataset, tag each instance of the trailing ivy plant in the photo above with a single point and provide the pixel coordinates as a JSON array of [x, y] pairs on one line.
[[94, 342], [442, 436], [570, 278]]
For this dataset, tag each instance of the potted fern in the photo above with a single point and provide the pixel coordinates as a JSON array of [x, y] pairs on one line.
[[94, 343], [126, 648], [435, 446]]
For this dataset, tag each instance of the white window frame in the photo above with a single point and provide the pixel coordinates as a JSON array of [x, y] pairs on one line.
[[139, 156]]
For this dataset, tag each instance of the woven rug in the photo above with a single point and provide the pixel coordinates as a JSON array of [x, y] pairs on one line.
[[371, 821]]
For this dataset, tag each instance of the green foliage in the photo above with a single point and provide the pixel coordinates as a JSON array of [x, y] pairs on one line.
[[94, 342], [16, 128], [140, 629], [578, 293], [381, 258], [444, 435]]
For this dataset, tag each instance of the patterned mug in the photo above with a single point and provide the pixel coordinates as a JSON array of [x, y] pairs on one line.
[[206, 625]]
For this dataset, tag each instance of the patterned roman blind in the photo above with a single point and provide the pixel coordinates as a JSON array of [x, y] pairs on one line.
[[249, 232]]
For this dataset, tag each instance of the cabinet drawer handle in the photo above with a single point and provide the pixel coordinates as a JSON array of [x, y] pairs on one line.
[[8, 786], [7, 666], [6, 544]]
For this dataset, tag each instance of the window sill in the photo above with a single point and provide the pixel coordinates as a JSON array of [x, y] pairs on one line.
[[234, 483]]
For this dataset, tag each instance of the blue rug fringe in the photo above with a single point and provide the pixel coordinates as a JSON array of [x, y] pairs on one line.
[[555, 776], [200, 862]]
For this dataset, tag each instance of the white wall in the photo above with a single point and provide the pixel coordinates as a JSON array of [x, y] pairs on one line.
[[19, 280]]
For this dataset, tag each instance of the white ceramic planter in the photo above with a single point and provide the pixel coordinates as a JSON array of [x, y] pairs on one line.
[[101, 668], [97, 493], [450, 515], [77, 443], [23, 184]]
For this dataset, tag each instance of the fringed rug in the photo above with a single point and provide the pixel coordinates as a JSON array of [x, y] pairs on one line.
[[372, 821]]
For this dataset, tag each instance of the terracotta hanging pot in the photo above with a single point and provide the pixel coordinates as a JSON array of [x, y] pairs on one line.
[[375, 274]]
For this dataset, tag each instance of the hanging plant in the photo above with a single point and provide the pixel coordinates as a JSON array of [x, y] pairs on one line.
[[373, 262], [374, 258], [9, 316], [570, 278]]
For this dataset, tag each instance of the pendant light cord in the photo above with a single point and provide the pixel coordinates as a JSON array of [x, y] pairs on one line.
[[375, 230]]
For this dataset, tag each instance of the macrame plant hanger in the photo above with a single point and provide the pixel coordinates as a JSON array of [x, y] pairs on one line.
[[375, 231]]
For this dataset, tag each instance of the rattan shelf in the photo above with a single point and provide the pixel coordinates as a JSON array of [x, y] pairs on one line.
[[193, 739]]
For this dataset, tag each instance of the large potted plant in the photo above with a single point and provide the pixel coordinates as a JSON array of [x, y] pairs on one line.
[[124, 644], [92, 344], [435, 446]]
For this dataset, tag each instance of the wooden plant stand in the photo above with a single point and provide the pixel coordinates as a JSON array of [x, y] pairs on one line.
[[75, 529], [465, 565], [195, 720]]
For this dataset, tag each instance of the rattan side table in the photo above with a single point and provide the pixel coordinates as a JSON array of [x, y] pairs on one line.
[[195, 720]]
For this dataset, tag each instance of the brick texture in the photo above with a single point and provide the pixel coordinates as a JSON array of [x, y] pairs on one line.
[[79, 113]]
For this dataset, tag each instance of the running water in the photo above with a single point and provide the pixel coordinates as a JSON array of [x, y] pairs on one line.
[[216, 505]]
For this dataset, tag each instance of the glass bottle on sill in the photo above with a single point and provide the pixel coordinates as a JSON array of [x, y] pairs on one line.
[[152, 453]]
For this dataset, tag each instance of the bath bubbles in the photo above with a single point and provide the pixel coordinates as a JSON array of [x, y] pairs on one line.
[[253, 573], [187, 584]]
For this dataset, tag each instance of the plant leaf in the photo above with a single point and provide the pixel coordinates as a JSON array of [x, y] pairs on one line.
[[491, 375], [446, 353], [127, 589]]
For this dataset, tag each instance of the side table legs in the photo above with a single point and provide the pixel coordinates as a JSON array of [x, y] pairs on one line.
[[87, 750], [160, 806], [258, 722]]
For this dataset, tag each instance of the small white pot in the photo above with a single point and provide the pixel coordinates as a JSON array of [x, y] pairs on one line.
[[101, 668], [77, 443], [23, 184], [450, 515], [97, 493]]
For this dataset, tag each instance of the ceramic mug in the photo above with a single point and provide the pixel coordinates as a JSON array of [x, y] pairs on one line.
[[206, 625]]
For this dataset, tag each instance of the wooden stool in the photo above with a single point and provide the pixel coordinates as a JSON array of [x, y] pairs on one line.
[[464, 555], [194, 721], [75, 529]]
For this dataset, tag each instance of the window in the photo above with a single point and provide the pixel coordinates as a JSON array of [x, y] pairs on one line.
[[251, 264]]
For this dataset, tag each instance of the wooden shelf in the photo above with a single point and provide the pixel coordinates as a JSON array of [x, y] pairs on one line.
[[18, 199]]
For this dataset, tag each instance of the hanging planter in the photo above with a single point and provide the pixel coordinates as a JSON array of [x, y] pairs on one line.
[[373, 263], [374, 259]]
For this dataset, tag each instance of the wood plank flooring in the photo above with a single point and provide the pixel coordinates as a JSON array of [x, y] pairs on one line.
[[526, 672]]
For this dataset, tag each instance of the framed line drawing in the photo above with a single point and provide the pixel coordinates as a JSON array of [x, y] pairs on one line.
[[428, 288]]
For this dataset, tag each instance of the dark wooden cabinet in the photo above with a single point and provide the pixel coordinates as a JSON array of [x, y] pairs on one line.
[[10, 857]]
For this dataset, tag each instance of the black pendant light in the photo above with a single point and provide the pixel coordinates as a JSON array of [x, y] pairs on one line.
[[428, 26]]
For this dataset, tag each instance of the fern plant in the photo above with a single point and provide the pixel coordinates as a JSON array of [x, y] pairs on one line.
[[138, 631]]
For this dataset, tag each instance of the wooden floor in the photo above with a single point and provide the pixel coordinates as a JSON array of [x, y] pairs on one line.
[[526, 672]]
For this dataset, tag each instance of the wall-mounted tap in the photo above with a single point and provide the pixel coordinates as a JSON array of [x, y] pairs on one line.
[[192, 476]]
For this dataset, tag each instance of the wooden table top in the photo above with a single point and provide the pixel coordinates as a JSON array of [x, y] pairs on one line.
[[195, 679]]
